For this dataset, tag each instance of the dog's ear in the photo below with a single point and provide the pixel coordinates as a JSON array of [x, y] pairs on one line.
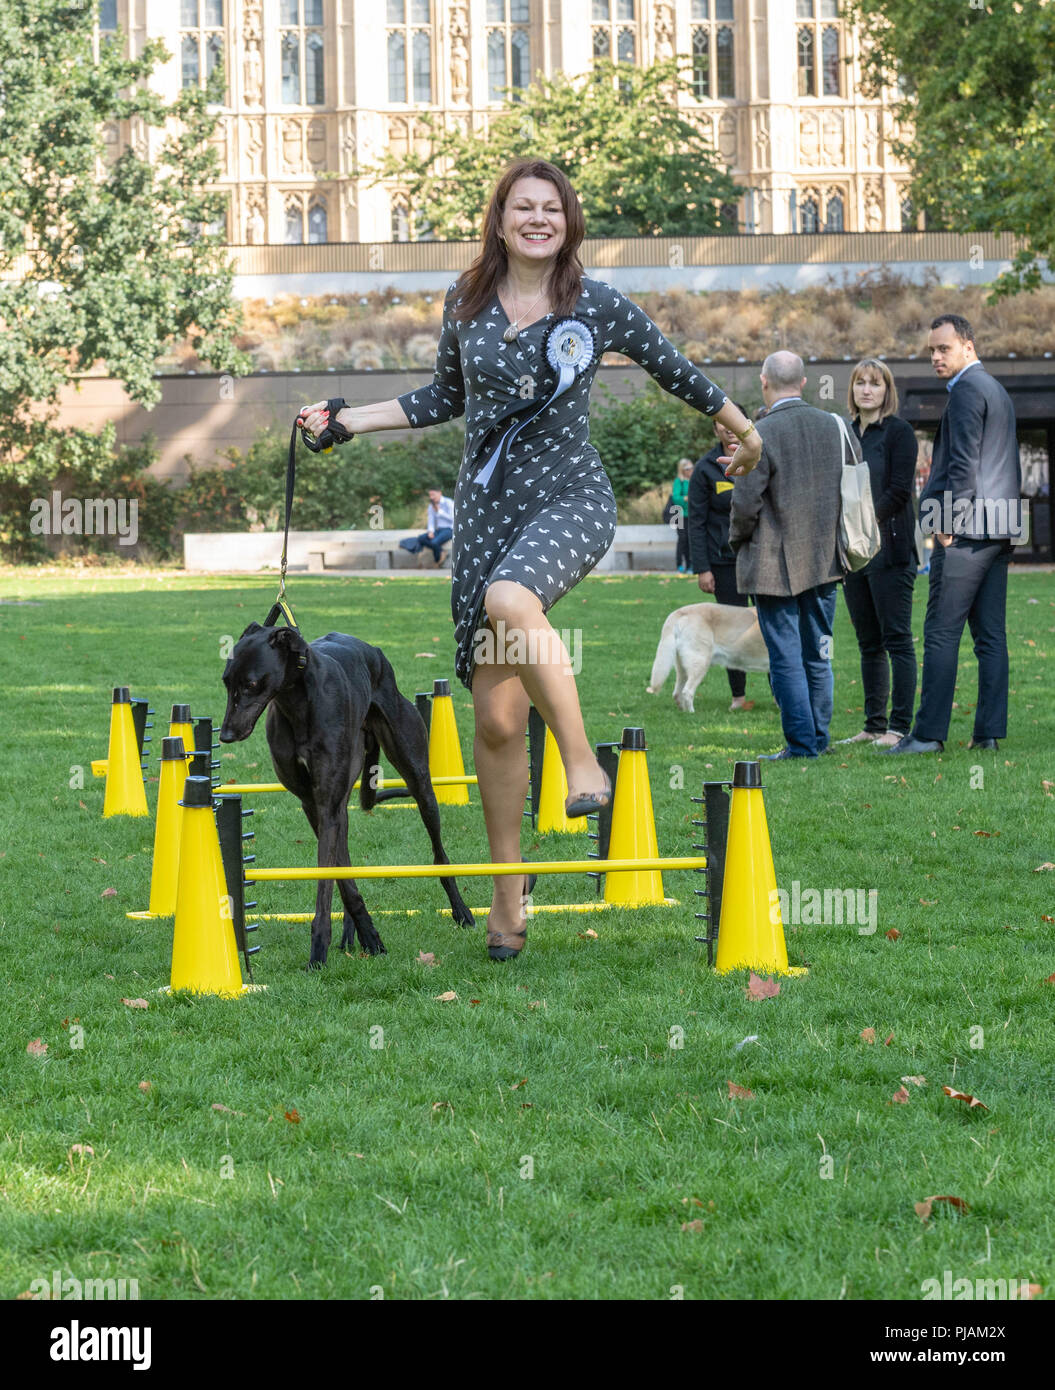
[[253, 627], [286, 640]]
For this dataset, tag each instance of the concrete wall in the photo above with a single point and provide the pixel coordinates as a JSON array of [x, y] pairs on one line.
[[201, 416]]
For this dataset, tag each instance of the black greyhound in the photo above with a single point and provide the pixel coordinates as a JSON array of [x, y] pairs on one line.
[[330, 707]]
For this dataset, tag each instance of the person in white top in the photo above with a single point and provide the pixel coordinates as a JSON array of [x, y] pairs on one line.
[[439, 527]]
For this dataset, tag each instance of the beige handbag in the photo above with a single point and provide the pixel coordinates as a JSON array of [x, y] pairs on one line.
[[858, 534]]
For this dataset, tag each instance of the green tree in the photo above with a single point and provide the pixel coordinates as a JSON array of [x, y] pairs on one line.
[[101, 263], [976, 79], [639, 165]]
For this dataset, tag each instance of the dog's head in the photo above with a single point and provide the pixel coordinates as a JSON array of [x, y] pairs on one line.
[[265, 660]]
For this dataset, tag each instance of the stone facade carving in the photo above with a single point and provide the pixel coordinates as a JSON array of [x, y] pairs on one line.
[[873, 207], [809, 139], [255, 218], [664, 32], [253, 60], [292, 146], [253, 131], [459, 30], [833, 138], [727, 137], [316, 145], [761, 141]]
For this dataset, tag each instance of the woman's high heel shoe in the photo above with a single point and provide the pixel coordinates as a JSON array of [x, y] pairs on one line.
[[497, 948], [588, 803]]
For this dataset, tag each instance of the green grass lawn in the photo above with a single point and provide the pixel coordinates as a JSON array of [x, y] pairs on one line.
[[547, 1141]]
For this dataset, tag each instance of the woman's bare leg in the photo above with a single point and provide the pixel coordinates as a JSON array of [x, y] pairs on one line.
[[500, 706], [546, 677]]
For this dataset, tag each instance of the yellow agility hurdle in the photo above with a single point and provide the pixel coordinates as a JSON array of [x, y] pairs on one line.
[[556, 866], [249, 788]]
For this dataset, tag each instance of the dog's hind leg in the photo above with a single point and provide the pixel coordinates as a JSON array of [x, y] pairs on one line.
[[402, 736], [697, 662]]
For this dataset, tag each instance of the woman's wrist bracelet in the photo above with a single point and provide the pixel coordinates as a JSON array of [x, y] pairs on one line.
[[746, 433]]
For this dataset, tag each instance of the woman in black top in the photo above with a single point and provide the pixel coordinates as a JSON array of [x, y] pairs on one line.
[[710, 555], [879, 597]]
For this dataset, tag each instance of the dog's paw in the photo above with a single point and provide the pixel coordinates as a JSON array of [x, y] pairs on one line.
[[465, 918]]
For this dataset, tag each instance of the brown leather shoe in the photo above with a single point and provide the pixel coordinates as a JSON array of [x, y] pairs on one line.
[[588, 803]]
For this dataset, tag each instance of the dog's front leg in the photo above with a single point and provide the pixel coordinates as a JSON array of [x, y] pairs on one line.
[[329, 856]]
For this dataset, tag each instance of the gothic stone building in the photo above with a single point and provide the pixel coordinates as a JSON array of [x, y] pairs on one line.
[[317, 89]]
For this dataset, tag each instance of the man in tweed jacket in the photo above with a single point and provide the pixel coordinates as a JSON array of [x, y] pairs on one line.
[[785, 516]]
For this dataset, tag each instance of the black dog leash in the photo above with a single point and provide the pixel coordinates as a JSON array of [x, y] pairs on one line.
[[334, 433]]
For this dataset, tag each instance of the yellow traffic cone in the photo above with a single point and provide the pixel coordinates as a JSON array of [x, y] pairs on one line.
[[553, 793], [750, 931], [181, 727], [633, 828], [204, 953], [445, 751], [125, 794], [164, 875]]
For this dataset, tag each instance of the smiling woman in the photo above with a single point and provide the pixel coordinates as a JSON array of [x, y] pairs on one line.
[[524, 331]]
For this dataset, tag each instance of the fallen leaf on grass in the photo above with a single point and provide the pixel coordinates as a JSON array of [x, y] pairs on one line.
[[695, 1226], [517, 1084], [426, 958], [916, 1080], [292, 1116], [888, 1041], [1050, 980], [431, 655], [446, 997], [893, 934], [869, 1034], [928, 902], [986, 834], [758, 988], [751, 1038], [537, 1004], [36, 1048], [226, 1110], [739, 1092], [135, 1003], [81, 1150], [441, 1105], [144, 1085], [476, 1001], [969, 1101], [1045, 918], [900, 1097], [1030, 1291], [1041, 867], [108, 893], [923, 1209]]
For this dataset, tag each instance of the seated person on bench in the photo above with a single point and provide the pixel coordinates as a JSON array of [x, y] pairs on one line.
[[439, 527]]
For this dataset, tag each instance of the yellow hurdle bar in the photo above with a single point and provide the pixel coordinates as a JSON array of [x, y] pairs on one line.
[[248, 788], [558, 866]]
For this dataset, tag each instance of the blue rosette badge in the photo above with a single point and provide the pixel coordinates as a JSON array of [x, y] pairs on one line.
[[569, 350]]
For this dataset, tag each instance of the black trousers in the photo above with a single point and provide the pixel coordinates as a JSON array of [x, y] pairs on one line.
[[968, 584], [725, 591], [880, 606], [681, 553]]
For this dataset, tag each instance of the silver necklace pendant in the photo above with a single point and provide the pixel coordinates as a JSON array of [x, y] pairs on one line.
[[511, 334]]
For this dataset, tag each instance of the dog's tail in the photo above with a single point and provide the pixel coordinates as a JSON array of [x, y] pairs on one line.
[[371, 770], [664, 662]]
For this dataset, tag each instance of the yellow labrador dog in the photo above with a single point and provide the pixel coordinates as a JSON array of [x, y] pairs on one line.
[[702, 633]]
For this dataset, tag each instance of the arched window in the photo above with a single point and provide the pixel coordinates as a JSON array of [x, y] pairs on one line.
[[317, 221], [615, 31], [701, 62], [400, 220], [726, 63], [807, 71], [602, 43], [833, 221], [830, 60], [809, 215], [294, 227], [397, 66], [189, 60], [908, 214], [303, 53], [422, 66], [508, 46]]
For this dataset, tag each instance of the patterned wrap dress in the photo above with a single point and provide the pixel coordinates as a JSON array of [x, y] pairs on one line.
[[547, 514]]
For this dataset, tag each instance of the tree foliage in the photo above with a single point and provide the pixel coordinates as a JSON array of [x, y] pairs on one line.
[[977, 83], [639, 165], [102, 263]]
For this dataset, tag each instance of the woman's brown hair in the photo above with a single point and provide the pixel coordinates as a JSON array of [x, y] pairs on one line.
[[479, 284], [885, 375]]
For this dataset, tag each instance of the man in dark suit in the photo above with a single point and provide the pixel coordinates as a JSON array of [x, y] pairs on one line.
[[785, 516], [972, 506]]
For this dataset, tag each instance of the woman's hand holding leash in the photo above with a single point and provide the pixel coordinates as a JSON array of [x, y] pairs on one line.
[[321, 426]]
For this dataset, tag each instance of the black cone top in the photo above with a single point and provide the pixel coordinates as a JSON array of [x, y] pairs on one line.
[[172, 750], [121, 695], [747, 775], [439, 688], [197, 792], [634, 741], [180, 714]]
